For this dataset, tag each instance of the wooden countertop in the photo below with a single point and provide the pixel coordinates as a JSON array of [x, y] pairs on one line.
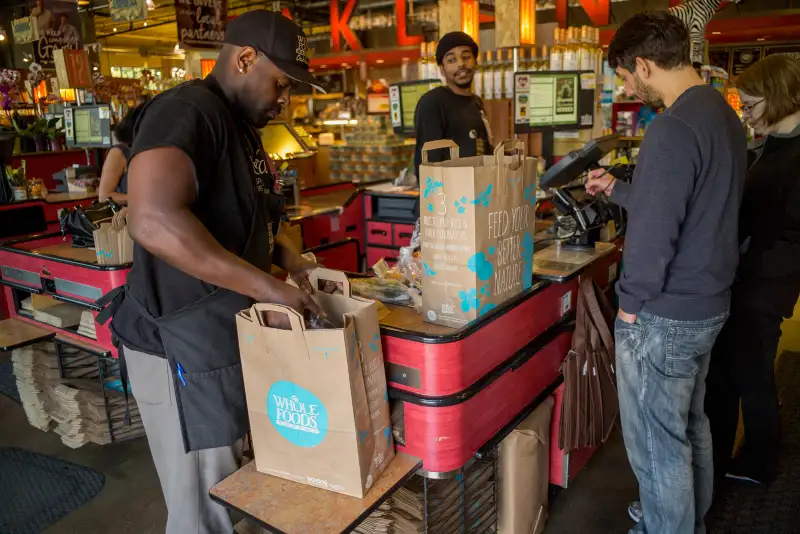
[[313, 206], [285, 506], [68, 252], [559, 263], [549, 264], [55, 198]]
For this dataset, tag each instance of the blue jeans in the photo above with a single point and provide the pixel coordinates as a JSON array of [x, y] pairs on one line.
[[661, 372]]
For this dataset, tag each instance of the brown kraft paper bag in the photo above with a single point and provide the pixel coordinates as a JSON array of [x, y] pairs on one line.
[[525, 474], [317, 398], [477, 226]]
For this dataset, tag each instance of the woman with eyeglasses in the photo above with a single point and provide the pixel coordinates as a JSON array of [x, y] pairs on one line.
[[767, 284]]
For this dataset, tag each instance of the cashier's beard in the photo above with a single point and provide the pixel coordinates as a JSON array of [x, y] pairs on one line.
[[647, 94]]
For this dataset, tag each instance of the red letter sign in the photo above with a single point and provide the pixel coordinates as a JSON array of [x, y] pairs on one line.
[[339, 26], [598, 11], [403, 39]]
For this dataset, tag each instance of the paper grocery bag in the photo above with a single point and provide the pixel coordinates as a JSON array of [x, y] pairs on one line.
[[317, 398], [477, 221], [525, 474]]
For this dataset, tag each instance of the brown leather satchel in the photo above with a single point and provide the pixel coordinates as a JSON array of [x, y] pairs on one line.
[[590, 404]]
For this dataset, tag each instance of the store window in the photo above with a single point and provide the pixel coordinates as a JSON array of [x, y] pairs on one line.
[[133, 73]]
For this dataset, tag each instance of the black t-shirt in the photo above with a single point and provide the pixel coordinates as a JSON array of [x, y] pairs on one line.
[[442, 114], [230, 168]]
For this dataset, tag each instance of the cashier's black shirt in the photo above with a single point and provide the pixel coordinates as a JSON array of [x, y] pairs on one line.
[[195, 118], [442, 114]]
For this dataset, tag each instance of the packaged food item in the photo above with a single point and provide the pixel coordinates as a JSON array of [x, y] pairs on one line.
[[382, 289]]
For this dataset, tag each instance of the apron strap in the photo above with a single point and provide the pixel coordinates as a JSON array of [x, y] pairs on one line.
[[123, 377], [110, 302]]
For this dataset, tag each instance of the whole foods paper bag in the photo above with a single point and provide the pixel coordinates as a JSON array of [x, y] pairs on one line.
[[477, 222], [317, 398], [525, 474]]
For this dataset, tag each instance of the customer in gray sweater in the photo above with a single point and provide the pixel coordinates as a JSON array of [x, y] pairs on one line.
[[680, 257]]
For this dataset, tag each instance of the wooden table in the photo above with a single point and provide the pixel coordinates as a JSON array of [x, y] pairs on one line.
[[16, 333], [280, 505]]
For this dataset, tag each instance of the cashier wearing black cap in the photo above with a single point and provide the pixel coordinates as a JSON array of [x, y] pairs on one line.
[[453, 111], [204, 213]]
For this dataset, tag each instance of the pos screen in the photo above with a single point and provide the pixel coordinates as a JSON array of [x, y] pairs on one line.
[[88, 126], [403, 99]]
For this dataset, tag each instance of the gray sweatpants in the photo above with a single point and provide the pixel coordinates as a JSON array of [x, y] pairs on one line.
[[185, 478]]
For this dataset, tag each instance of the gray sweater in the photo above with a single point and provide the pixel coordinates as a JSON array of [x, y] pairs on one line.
[[681, 247]]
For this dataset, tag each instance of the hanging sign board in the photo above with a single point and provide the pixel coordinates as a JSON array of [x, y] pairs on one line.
[[57, 26], [788, 50], [72, 69], [127, 10], [24, 30], [743, 58], [201, 23]]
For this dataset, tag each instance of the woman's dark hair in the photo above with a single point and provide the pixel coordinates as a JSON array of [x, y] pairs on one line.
[[776, 79], [123, 130], [658, 36]]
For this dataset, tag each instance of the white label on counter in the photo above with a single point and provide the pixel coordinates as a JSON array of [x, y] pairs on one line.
[[335, 223], [566, 303]]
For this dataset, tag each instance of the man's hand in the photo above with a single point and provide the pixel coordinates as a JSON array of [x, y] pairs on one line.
[[295, 298], [600, 181], [626, 317], [299, 268]]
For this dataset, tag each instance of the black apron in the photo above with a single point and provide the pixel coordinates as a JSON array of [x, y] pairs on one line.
[[201, 343]]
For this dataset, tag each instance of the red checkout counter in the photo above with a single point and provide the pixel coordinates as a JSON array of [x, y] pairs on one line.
[[457, 393]]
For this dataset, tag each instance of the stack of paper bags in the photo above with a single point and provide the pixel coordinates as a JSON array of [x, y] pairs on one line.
[[36, 370], [112, 242], [53, 312], [82, 415], [86, 326]]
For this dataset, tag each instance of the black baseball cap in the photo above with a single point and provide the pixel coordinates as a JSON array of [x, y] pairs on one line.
[[278, 38], [452, 40]]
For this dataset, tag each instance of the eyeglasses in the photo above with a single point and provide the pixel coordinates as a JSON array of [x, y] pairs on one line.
[[748, 108]]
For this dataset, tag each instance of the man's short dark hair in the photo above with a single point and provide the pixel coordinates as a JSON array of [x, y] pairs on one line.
[[658, 36]]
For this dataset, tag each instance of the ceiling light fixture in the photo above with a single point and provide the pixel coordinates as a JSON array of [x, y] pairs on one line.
[[145, 24], [114, 29], [378, 61], [716, 33]]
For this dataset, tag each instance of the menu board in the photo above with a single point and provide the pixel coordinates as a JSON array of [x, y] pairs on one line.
[[743, 58], [546, 99], [201, 23], [403, 99]]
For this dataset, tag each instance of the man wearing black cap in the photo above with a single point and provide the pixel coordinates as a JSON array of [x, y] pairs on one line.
[[204, 211], [453, 112]]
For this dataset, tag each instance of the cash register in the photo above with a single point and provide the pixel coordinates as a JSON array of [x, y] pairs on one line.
[[586, 216]]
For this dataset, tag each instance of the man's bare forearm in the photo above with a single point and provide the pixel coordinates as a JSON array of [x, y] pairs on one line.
[[182, 241], [285, 251]]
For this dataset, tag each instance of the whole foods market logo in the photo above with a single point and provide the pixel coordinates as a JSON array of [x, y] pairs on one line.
[[297, 414]]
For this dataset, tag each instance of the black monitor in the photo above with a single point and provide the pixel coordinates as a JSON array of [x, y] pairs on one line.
[[578, 161], [553, 101], [88, 126], [403, 100]]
